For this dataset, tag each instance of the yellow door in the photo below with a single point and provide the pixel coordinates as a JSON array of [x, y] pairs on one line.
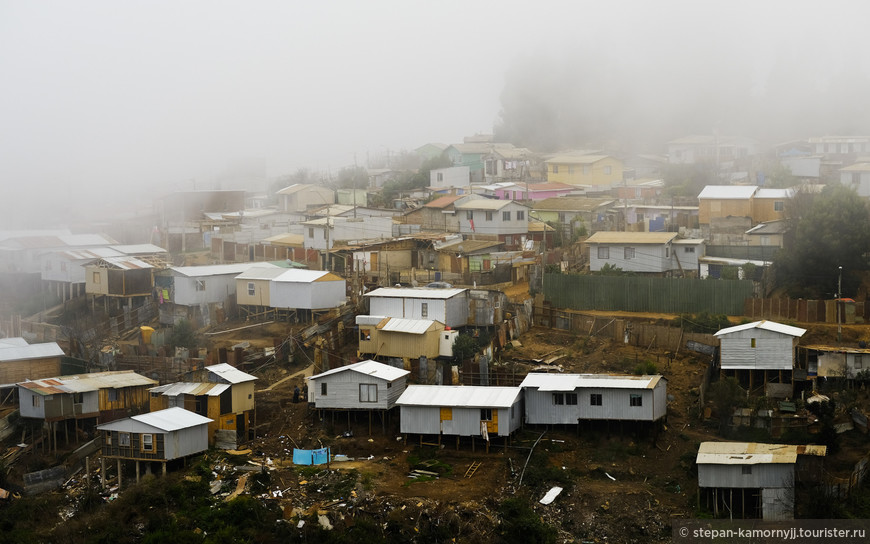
[[446, 414], [492, 426]]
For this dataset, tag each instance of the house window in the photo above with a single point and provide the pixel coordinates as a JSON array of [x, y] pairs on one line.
[[311, 232], [368, 392], [389, 385], [36, 401], [469, 214], [78, 398], [440, 176], [858, 362], [571, 170], [112, 395], [147, 442], [521, 215], [571, 399], [200, 285], [559, 398], [586, 169], [778, 206], [561, 217], [365, 335], [505, 216], [607, 170], [124, 439], [63, 266], [96, 278], [603, 252], [108, 438], [635, 400], [752, 342], [251, 289], [747, 469], [486, 414], [689, 249], [667, 252], [324, 232], [595, 399], [629, 253], [323, 389], [555, 168], [424, 310], [489, 216]]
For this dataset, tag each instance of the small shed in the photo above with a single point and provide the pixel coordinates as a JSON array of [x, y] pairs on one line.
[[448, 306], [21, 361], [161, 436], [459, 410], [752, 480], [236, 408], [572, 398], [307, 290], [759, 352], [366, 385], [403, 338]]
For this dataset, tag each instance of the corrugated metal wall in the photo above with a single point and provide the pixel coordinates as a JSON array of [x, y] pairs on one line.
[[342, 392], [640, 294], [763, 475]]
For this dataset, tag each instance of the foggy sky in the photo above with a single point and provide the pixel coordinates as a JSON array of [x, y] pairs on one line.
[[136, 98]]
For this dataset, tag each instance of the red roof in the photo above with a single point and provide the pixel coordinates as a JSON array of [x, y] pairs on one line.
[[443, 202]]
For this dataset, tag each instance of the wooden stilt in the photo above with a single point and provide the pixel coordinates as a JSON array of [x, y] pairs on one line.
[[164, 468], [119, 475], [370, 422], [137, 471]]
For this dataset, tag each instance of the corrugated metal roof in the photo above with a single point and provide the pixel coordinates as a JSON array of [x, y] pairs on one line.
[[370, 368], [172, 419], [286, 239], [16, 341], [261, 273], [572, 204], [469, 246], [725, 192], [370, 319], [765, 325], [443, 201], [138, 249], [216, 269], [857, 167], [298, 275], [576, 159], [603, 237], [295, 188], [753, 453], [22, 352], [777, 226], [411, 326], [230, 373], [469, 396], [79, 383], [774, 193], [89, 254], [125, 262], [191, 388], [485, 204], [415, 292], [570, 382]]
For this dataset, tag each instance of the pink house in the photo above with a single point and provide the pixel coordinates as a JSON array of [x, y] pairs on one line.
[[535, 191]]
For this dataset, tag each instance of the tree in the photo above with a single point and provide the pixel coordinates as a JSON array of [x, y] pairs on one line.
[[833, 231], [726, 395], [355, 177], [183, 335], [464, 347]]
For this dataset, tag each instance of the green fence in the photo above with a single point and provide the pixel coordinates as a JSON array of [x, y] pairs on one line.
[[640, 294]]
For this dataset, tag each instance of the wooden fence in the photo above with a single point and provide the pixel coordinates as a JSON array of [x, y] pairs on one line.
[[805, 311], [841, 488]]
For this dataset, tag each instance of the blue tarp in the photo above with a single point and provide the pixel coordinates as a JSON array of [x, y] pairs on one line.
[[311, 457]]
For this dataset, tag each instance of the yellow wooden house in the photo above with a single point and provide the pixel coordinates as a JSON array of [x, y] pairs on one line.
[[595, 171]]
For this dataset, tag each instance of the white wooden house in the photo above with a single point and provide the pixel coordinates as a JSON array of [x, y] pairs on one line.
[[302, 196], [308, 290], [460, 410], [160, 436], [760, 352], [503, 220], [752, 480], [572, 398], [448, 306], [647, 252], [192, 292], [366, 385]]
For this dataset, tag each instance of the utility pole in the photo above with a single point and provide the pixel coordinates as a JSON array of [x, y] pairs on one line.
[[839, 296]]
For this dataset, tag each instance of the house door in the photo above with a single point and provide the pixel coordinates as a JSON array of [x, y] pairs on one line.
[[240, 426], [373, 264]]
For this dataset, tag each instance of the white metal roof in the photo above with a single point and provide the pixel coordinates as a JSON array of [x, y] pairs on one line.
[[415, 292], [88, 254], [217, 269], [484, 204], [230, 373], [722, 192], [411, 326], [605, 237], [570, 382], [127, 262], [774, 193], [298, 275], [16, 341], [752, 453], [765, 325], [369, 319], [138, 249], [191, 388], [469, 396], [261, 273], [370, 368], [29, 351], [170, 419]]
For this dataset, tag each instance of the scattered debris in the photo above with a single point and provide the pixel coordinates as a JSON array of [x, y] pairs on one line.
[[609, 476], [551, 495]]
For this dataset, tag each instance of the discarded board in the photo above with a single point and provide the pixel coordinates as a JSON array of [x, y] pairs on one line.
[[551, 495], [240, 487]]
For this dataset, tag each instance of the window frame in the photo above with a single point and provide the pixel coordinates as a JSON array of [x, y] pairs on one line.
[[558, 399], [323, 389], [603, 252], [506, 215], [635, 400], [593, 397], [147, 444], [629, 253], [486, 414], [368, 388], [124, 440]]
